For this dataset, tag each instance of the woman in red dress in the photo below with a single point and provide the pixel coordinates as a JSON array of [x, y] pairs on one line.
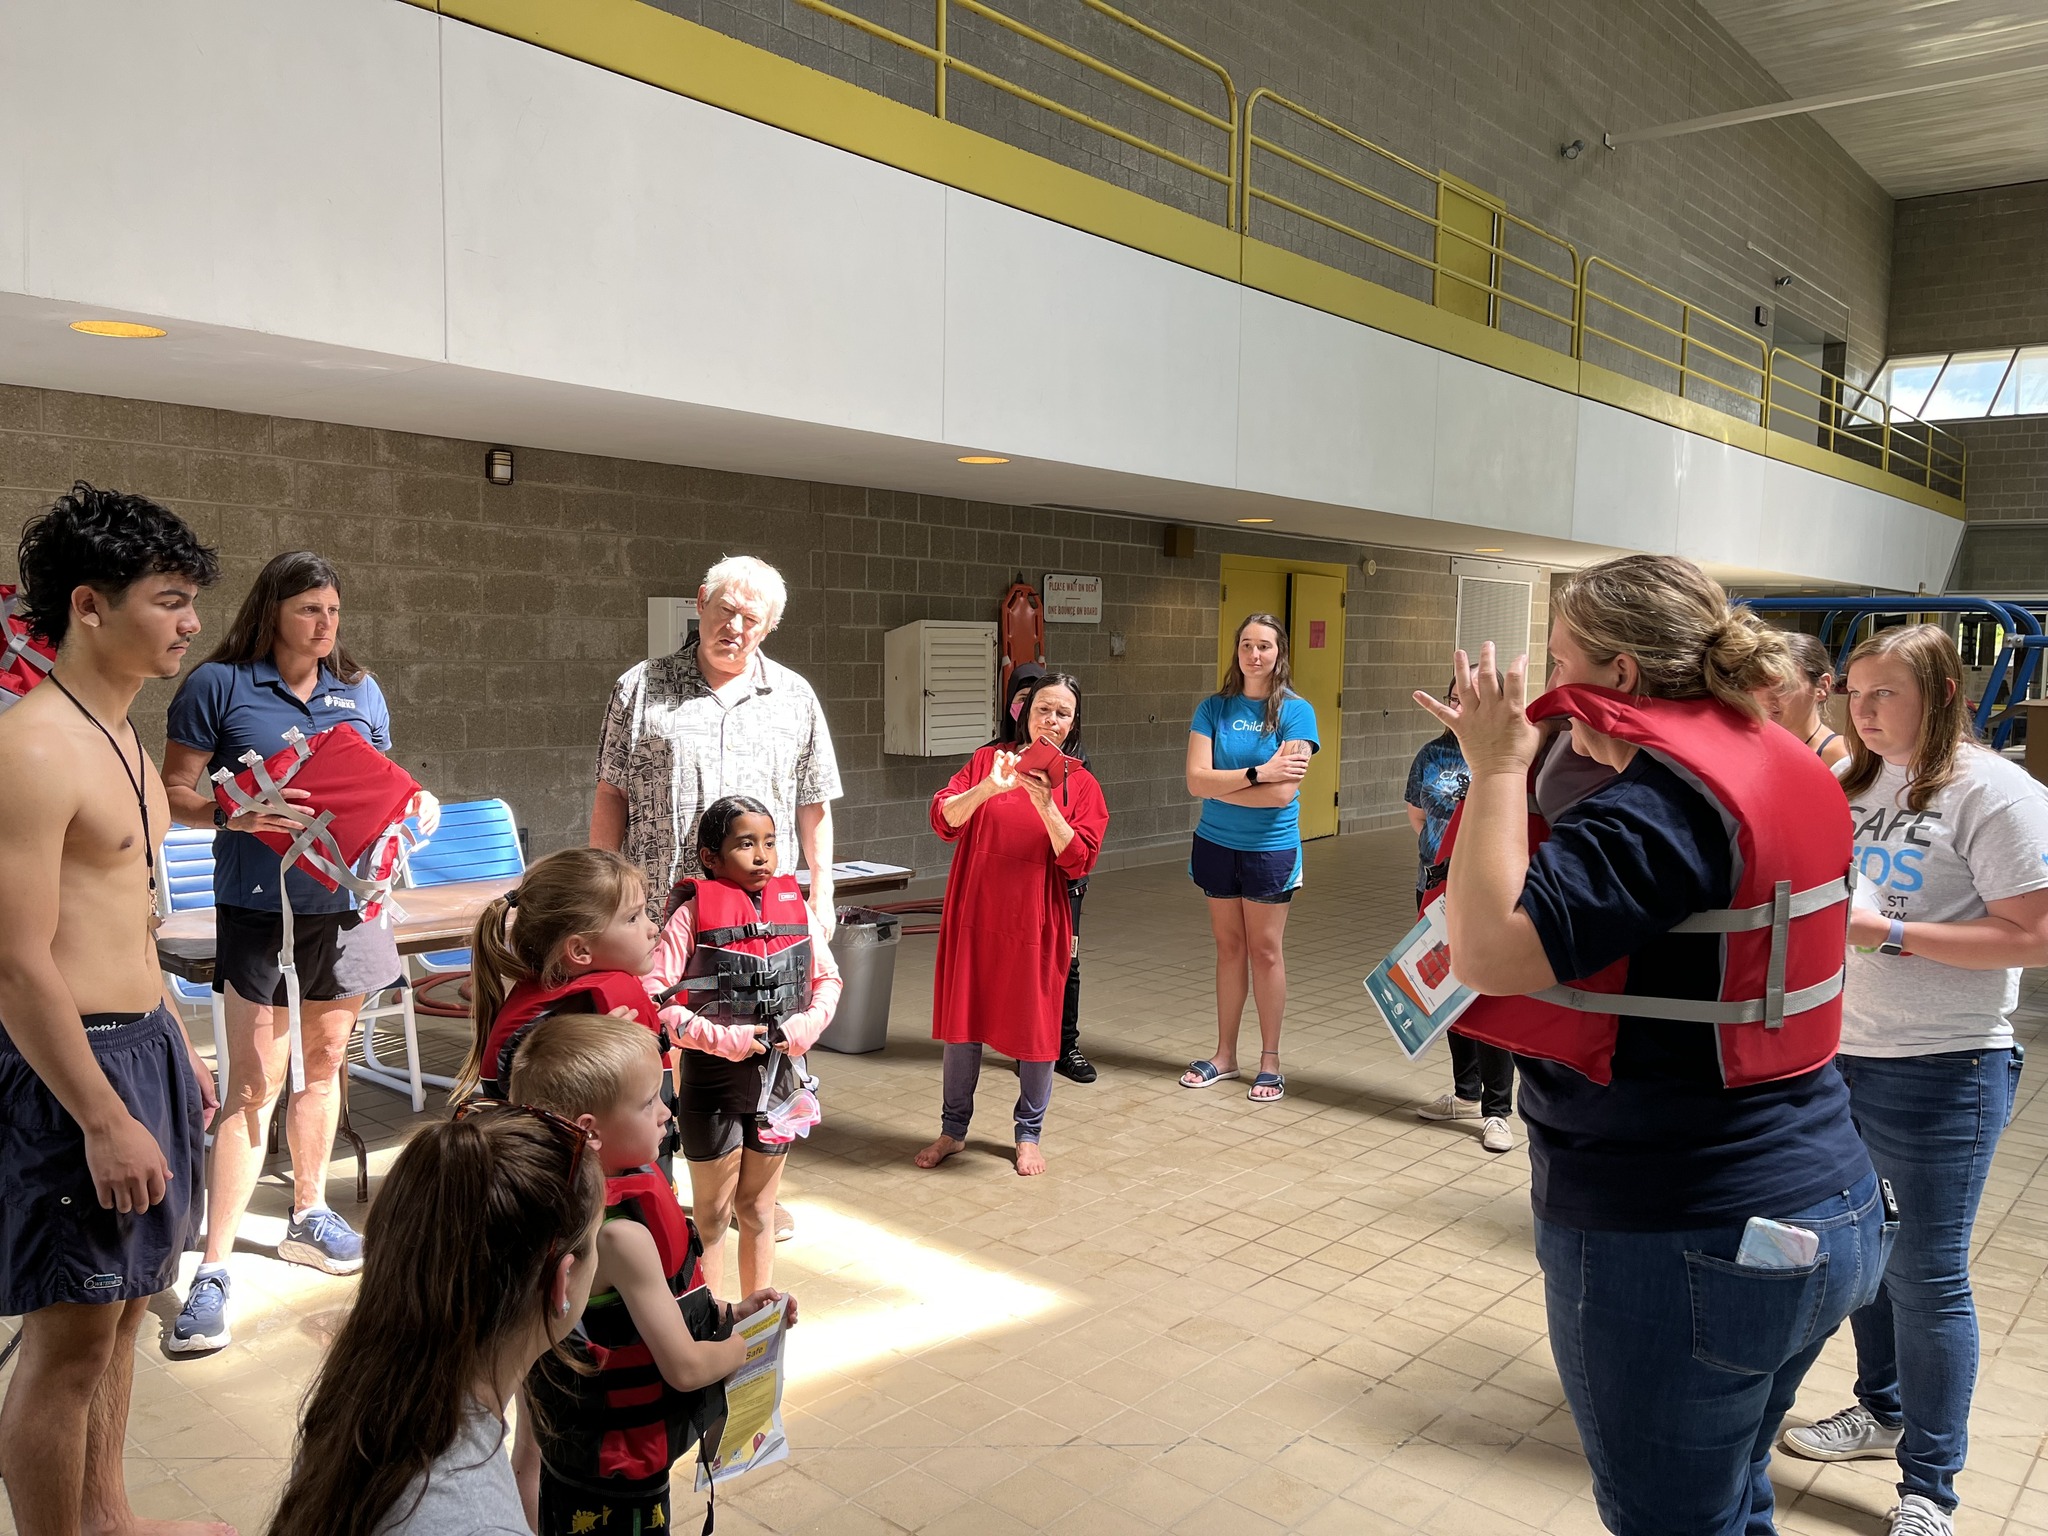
[[1007, 931]]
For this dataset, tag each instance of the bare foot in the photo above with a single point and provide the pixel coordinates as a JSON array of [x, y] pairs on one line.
[[1030, 1161], [938, 1152]]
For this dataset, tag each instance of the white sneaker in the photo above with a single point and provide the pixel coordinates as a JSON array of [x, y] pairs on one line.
[[1918, 1516], [1851, 1435], [1448, 1107], [1495, 1136]]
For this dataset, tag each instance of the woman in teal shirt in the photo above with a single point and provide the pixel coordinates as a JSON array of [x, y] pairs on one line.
[[1248, 749]]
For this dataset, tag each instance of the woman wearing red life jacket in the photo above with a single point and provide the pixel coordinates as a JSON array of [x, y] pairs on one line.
[[754, 984], [1007, 932], [1665, 961]]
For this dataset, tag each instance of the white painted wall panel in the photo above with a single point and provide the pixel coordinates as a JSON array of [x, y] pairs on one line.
[[1627, 480], [1720, 502], [1505, 449], [1335, 412], [1062, 345], [601, 232], [271, 167]]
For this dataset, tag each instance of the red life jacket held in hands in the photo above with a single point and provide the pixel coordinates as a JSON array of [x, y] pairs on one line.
[[529, 1002], [1778, 1010]]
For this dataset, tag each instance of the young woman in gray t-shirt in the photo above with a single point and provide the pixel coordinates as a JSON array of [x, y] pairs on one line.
[[479, 1256], [1952, 858]]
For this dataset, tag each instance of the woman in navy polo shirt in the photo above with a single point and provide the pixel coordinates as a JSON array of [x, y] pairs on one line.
[[280, 666], [1248, 749]]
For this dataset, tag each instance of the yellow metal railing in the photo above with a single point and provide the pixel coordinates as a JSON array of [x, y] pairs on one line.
[[1859, 425], [945, 62], [1736, 361], [1516, 278], [1560, 288]]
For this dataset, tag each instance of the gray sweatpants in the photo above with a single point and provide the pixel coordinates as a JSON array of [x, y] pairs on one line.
[[963, 1069]]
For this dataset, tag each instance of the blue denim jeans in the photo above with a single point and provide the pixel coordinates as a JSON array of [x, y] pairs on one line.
[[1931, 1124], [1679, 1363]]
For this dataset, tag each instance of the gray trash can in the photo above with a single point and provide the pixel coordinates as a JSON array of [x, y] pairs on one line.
[[865, 948]]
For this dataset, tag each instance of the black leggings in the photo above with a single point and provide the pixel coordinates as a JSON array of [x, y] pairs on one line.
[[1070, 1010]]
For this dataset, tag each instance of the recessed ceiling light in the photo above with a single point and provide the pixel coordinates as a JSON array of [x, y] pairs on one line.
[[1487, 549], [983, 458], [128, 330], [1255, 519]]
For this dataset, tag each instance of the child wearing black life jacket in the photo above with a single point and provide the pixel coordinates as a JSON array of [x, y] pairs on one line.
[[753, 985], [574, 937], [654, 1349]]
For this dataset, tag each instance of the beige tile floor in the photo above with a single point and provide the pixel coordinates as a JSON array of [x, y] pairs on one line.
[[1210, 1317]]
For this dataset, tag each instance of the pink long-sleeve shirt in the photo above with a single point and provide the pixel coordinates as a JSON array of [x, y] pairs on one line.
[[734, 1042]]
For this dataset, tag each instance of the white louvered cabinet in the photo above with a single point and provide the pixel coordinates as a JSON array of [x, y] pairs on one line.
[[938, 688]]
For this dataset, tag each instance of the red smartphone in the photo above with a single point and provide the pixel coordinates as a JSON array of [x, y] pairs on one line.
[[1043, 757]]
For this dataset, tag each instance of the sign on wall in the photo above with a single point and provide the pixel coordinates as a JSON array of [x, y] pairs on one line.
[[1073, 599]]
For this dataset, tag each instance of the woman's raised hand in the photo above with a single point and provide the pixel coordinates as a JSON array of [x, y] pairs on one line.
[[1493, 732], [1286, 765], [1002, 773], [1038, 787]]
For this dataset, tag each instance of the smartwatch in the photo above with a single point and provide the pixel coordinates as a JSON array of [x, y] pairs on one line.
[[220, 817], [1894, 941], [1251, 774]]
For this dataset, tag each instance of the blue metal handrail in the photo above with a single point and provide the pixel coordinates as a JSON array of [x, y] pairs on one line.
[[2024, 640]]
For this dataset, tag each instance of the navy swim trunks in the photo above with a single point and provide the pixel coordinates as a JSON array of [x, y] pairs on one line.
[[56, 1242], [1268, 876]]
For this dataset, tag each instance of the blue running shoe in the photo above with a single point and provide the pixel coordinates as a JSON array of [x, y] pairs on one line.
[[324, 1241], [202, 1325]]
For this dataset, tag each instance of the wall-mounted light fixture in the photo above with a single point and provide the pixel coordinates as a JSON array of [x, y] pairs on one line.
[[498, 466]]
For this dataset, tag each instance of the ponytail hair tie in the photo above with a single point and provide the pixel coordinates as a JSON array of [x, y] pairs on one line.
[[512, 898]]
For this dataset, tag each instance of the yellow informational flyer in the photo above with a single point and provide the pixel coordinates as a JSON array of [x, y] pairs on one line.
[[753, 1400]]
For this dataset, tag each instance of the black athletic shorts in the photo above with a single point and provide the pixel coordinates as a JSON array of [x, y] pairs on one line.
[[718, 1107], [567, 1510], [338, 954], [56, 1243]]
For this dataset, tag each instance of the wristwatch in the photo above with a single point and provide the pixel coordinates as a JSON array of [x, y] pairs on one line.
[[220, 817], [1894, 941], [1251, 774]]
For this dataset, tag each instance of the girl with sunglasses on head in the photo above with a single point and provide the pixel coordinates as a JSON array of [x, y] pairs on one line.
[[478, 1258]]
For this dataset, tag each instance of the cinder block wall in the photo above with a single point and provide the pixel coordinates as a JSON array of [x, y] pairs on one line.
[[497, 618], [1970, 270], [1485, 89]]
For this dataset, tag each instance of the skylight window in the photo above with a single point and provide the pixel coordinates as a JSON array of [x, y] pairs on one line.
[[1966, 386]]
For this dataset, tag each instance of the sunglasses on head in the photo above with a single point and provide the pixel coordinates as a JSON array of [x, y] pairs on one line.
[[573, 1136]]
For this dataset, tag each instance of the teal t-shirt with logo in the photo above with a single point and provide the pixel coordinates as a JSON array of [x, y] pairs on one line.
[[1239, 740]]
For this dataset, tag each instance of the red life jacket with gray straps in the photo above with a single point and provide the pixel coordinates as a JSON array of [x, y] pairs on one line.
[[1778, 1010]]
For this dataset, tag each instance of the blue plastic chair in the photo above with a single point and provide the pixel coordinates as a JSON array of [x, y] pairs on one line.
[[476, 840], [185, 884]]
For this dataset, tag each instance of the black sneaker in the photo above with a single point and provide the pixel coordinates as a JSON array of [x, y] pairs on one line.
[[1074, 1067]]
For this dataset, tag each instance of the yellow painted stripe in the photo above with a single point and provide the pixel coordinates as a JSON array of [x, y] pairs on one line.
[[1790, 450], [1288, 276], [1617, 389]]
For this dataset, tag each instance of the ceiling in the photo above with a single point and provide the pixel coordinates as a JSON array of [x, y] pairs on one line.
[[1938, 141]]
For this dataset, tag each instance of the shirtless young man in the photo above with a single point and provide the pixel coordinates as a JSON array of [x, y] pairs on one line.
[[103, 1103]]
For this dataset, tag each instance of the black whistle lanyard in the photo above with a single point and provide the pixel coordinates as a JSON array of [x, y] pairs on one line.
[[134, 780]]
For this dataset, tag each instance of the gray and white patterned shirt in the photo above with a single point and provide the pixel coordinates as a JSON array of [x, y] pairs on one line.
[[671, 746]]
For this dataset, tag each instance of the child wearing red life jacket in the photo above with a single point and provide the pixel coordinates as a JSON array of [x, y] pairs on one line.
[[574, 937], [644, 1378], [753, 985]]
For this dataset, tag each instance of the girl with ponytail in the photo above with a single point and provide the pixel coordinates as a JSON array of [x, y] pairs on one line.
[[574, 937], [478, 1258], [1705, 1213]]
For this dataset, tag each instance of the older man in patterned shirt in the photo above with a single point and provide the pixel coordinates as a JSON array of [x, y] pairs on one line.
[[717, 718]]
